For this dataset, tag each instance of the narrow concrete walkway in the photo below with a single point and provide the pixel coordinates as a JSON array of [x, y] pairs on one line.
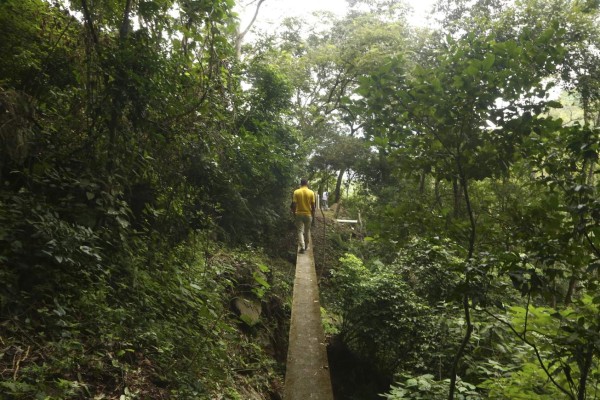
[[307, 373]]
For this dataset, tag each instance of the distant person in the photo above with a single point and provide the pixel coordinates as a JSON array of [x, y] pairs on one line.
[[303, 207], [324, 198]]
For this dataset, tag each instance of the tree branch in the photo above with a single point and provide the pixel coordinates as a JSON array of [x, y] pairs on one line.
[[240, 37], [585, 370], [535, 349], [124, 29], [592, 245], [88, 19]]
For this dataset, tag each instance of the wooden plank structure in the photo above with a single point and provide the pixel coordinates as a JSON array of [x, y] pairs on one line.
[[352, 221]]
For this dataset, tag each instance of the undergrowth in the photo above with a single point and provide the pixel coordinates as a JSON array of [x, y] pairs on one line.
[[155, 326]]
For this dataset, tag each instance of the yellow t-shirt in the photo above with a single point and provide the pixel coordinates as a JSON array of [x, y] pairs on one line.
[[305, 200]]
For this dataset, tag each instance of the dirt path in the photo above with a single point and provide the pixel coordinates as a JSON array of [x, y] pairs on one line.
[[307, 373]]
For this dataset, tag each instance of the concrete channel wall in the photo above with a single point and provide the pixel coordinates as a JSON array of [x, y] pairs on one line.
[[307, 372]]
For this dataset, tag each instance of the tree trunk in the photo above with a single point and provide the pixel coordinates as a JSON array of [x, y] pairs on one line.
[[384, 168], [240, 36], [118, 92], [338, 187], [585, 370], [456, 192], [422, 183], [465, 300], [570, 290]]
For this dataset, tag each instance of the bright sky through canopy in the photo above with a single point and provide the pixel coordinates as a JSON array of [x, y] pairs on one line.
[[273, 11]]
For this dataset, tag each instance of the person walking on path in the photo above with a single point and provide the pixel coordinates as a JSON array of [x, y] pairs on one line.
[[324, 198], [303, 208]]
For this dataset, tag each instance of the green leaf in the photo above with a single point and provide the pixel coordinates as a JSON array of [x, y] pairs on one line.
[[263, 268], [554, 104], [18, 387], [248, 320], [488, 61], [261, 281], [593, 267], [123, 222]]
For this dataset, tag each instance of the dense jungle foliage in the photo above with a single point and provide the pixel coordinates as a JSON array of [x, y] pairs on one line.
[[147, 153]]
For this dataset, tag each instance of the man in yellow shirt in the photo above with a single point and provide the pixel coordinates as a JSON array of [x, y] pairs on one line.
[[303, 207]]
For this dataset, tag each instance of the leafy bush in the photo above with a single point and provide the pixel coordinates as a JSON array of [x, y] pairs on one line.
[[382, 318], [563, 340], [431, 267], [528, 382], [425, 387]]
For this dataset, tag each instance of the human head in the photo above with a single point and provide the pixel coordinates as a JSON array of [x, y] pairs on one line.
[[303, 182]]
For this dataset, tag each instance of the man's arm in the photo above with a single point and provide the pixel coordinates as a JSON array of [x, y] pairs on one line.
[[293, 205]]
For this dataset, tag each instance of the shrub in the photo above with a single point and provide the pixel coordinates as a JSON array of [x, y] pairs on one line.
[[382, 317]]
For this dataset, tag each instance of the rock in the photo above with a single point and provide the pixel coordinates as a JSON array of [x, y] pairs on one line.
[[249, 311]]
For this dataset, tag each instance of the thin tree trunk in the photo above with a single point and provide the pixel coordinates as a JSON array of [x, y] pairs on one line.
[[87, 15], [570, 290], [438, 198], [456, 192], [118, 95], [384, 168], [338, 186], [585, 370], [472, 230], [463, 345], [422, 183], [465, 300], [240, 37]]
